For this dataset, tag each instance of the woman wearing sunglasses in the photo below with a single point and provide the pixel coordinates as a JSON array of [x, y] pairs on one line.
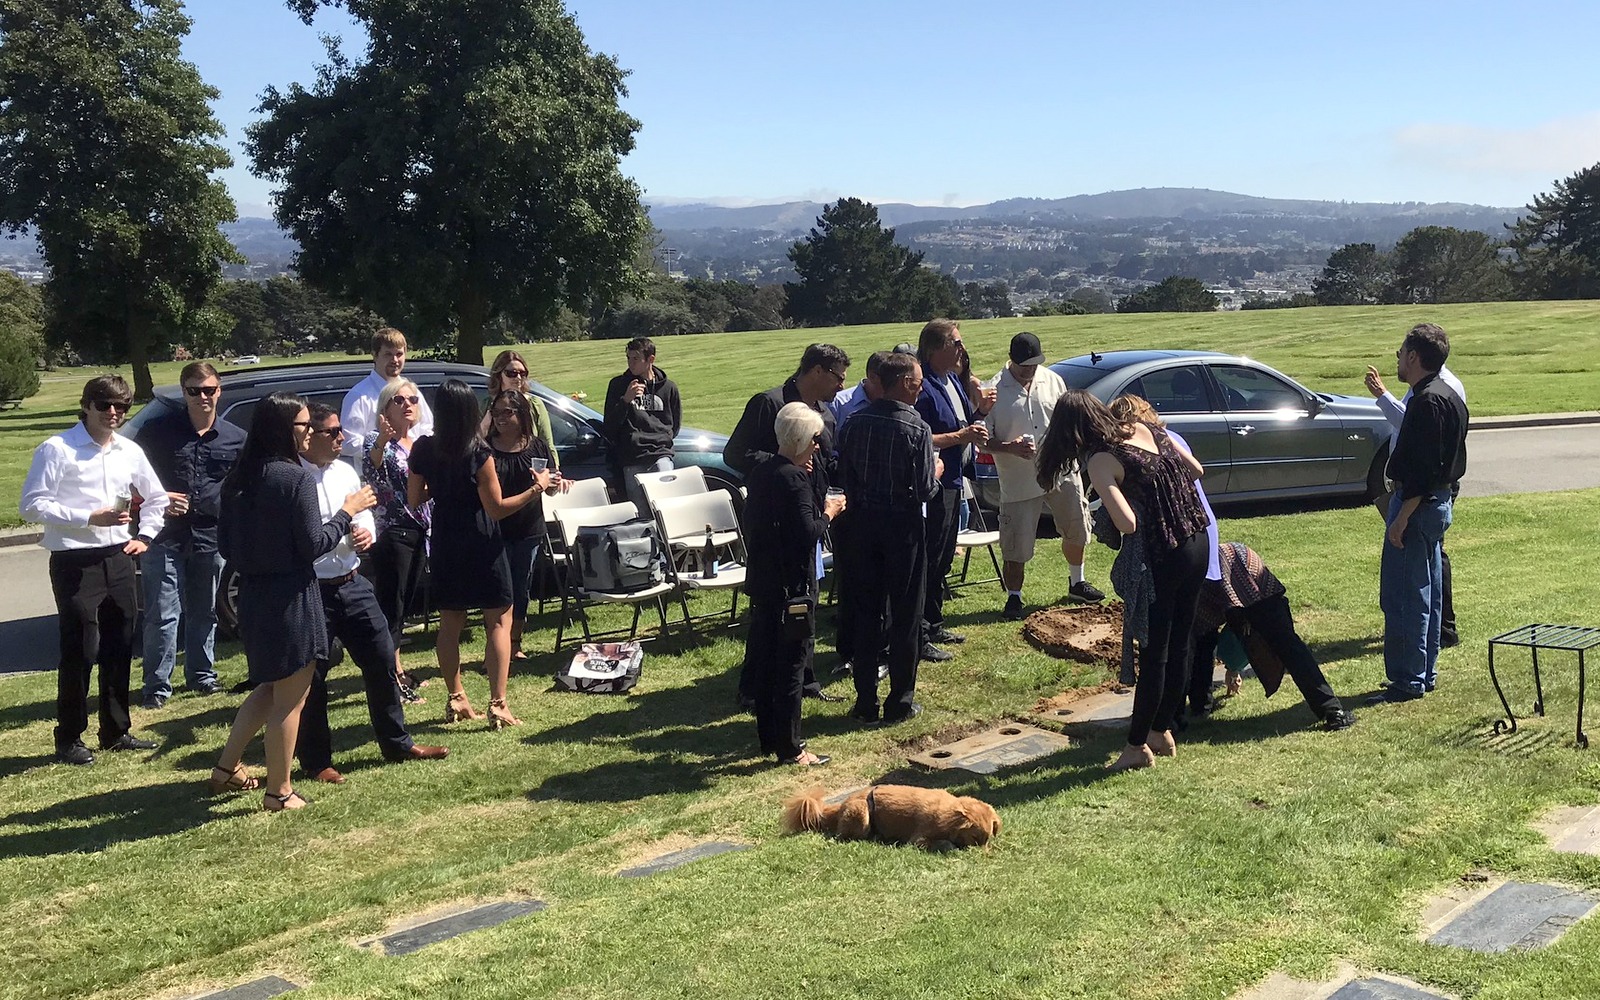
[[398, 555], [510, 371]]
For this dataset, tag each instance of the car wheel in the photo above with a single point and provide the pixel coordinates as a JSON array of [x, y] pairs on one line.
[[228, 602], [1375, 483]]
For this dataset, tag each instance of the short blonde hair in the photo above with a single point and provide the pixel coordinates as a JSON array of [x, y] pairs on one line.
[[796, 425], [387, 394], [387, 337]]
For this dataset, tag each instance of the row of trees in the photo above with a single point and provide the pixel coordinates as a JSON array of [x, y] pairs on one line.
[[463, 174]]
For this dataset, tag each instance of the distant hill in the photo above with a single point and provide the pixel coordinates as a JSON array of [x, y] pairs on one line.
[[1141, 203]]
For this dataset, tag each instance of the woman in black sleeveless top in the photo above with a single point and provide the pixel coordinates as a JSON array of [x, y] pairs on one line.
[[1146, 483]]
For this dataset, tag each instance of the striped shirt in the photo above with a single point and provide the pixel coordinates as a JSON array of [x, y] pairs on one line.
[[1245, 582]]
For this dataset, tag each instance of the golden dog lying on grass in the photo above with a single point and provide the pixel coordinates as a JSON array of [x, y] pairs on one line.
[[930, 818]]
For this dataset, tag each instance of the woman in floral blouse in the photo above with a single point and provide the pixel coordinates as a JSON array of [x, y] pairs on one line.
[[399, 556]]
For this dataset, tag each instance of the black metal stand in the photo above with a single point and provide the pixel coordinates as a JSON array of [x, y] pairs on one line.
[[1572, 638]]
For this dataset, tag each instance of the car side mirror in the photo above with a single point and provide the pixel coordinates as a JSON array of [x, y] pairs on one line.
[[1315, 405], [587, 445]]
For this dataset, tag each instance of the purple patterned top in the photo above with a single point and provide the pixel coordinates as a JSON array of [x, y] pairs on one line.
[[389, 483], [1163, 496]]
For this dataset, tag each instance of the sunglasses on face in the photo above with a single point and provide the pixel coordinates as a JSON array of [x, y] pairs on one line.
[[515, 373], [104, 405], [332, 432], [202, 390], [407, 400], [505, 414]]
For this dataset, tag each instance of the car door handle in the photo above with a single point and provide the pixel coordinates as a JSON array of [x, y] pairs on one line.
[[1243, 430]]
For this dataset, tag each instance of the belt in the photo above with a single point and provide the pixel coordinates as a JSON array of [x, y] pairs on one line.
[[337, 581]]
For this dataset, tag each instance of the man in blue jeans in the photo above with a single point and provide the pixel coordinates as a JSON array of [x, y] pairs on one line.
[[191, 451], [1430, 454]]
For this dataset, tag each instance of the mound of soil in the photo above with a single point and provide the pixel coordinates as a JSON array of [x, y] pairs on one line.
[[1085, 633]]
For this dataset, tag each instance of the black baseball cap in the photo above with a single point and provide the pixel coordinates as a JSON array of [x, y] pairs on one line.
[[1025, 350], [904, 349]]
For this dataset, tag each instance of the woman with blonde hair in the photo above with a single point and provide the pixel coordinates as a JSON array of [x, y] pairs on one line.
[[399, 555], [1147, 485], [510, 371]]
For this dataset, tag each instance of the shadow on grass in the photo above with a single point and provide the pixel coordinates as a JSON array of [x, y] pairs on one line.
[[95, 822], [1346, 649], [16, 765]]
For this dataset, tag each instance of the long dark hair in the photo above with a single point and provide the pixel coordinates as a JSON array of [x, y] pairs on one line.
[[455, 419], [1080, 426], [519, 402], [271, 440]]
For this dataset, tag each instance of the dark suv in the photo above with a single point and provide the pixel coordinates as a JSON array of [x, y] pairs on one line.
[[580, 439]]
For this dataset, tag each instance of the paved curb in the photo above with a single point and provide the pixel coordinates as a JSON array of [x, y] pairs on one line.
[[20, 536], [1533, 420]]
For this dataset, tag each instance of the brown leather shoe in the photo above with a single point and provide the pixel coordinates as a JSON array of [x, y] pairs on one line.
[[329, 776], [420, 752]]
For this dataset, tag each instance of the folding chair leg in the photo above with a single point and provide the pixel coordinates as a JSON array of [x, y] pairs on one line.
[[966, 563], [633, 632], [661, 612], [733, 612]]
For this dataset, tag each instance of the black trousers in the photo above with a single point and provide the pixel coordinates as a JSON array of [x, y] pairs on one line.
[[890, 570], [1447, 618], [355, 619], [1274, 622], [777, 667], [942, 526], [398, 564], [1164, 659], [844, 637], [96, 602]]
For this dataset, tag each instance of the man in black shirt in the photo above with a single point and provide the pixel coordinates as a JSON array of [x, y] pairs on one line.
[[191, 450], [889, 473], [1430, 454], [643, 415], [822, 373]]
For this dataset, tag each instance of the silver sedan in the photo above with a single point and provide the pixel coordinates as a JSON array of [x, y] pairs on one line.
[[1260, 434]]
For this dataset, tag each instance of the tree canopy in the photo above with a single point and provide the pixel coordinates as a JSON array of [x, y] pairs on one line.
[[1445, 264], [852, 271], [21, 314], [1356, 275], [1171, 295], [466, 169], [1557, 244], [107, 149]]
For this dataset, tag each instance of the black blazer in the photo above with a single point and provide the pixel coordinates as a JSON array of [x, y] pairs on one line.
[[782, 525], [755, 437]]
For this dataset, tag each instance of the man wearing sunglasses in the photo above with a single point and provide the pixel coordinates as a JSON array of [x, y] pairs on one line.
[[191, 451], [81, 487]]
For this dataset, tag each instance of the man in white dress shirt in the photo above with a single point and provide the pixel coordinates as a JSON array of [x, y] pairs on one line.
[[81, 487], [354, 617], [359, 414], [1394, 410]]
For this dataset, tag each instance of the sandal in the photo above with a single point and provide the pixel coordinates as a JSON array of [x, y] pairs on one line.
[[235, 780], [280, 803], [806, 759]]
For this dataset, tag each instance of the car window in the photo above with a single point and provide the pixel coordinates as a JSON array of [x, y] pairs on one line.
[[239, 413], [1253, 389], [1079, 376], [563, 428], [1174, 390]]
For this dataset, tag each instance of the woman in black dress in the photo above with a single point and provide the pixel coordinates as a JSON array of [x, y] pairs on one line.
[[455, 469], [782, 525], [517, 448], [271, 531], [1147, 485]]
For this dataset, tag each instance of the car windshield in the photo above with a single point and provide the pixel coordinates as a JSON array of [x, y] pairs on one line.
[[1080, 376]]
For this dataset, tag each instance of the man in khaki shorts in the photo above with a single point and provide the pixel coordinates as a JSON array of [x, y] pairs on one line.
[[1026, 397]]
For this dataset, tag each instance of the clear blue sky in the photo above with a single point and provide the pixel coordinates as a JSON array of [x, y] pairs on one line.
[[941, 101]]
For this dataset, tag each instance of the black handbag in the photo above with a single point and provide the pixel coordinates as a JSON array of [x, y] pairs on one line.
[[799, 619]]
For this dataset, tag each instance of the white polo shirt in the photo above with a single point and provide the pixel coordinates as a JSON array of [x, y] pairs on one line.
[[1020, 410], [334, 483]]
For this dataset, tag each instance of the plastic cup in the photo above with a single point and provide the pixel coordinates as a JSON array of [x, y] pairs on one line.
[[540, 464]]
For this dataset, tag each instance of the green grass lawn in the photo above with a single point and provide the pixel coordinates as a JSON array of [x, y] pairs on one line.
[[1515, 357], [1265, 845]]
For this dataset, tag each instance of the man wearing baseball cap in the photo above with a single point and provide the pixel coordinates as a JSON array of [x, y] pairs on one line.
[[1026, 394]]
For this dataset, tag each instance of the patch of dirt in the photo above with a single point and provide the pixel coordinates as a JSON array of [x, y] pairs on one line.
[[1048, 706], [1087, 634]]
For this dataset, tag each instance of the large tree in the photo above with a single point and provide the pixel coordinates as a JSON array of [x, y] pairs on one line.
[[852, 271], [1557, 244], [466, 169], [1445, 264], [1355, 275], [21, 313], [107, 149]]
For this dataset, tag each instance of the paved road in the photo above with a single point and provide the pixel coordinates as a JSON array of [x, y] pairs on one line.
[[1523, 460]]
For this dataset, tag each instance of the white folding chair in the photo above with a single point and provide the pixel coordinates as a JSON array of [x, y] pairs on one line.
[[582, 493], [976, 536], [574, 598], [684, 521], [658, 486]]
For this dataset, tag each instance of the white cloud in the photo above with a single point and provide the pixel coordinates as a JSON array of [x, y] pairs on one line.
[[1549, 148]]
